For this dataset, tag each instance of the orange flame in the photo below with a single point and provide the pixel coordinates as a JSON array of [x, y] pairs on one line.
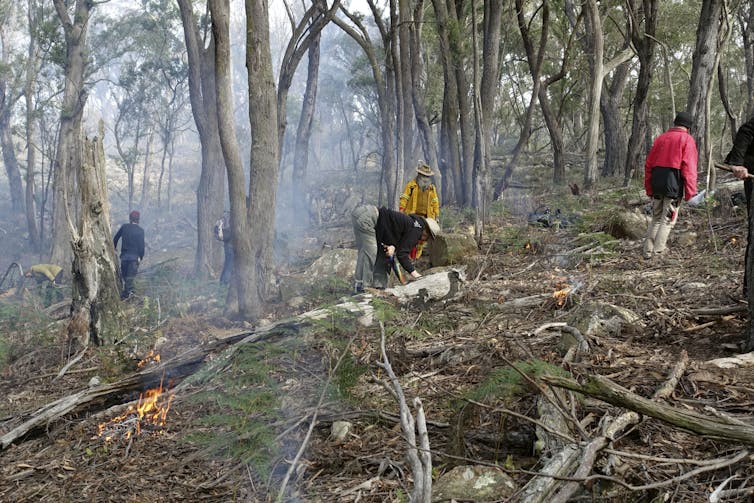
[[151, 409], [561, 296]]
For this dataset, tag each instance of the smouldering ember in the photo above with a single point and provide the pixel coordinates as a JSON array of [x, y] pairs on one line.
[[149, 358]]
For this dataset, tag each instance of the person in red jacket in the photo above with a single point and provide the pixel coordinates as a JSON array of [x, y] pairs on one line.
[[669, 176]]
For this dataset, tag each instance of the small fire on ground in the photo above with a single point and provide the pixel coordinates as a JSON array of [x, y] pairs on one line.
[[149, 413], [564, 289]]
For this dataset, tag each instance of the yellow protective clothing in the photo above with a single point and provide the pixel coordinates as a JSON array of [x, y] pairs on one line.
[[49, 271], [420, 202]]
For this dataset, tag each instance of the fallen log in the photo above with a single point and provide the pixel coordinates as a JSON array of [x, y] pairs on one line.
[[610, 392], [543, 488], [437, 286], [173, 369]]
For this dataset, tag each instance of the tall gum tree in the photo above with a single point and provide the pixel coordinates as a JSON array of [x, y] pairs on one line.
[[643, 36], [264, 155], [252, 217], [68, 154], [203, 95]]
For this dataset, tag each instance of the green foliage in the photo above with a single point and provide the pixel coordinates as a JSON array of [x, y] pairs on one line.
[[347, 377], [22, 328], [506, 383], [244, 405]]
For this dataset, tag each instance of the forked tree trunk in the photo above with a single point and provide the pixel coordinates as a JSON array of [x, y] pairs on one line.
[[95, 299], [74, 98], [202, 91]]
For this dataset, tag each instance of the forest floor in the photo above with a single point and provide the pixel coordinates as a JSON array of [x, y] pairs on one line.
[[235, 427]]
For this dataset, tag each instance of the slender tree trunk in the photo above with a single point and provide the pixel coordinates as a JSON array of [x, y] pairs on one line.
[[68, 154], [418, 90], [746, 22], [534, 59], [644, 42], [493, 15], [210, 192], [465, 111], [32, 71], [704, 62], [264, 158], [304, 130], [9, 157], [406, 115], [598, 70], [145, 172], [615, 134], [450, 152]]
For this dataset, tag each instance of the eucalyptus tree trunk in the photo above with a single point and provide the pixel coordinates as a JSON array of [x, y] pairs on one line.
[[396, 87], [493, 14], [95, 306], [264, 159], [597, 46], [406, 115], [465, 111], [68, 154], [32, 72], [615, 133], [9, 153], [202, 92], [306, 119], [534, 59], [745, 16], [450, 152], [643, 35], [598, 69], [243, 282], [418, 91], [304, 129], [304, 33], [709, 35]]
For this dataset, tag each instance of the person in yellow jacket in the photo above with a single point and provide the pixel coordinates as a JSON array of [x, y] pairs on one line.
[[420, 195], [46, 272], [420, 198], [48, 279]]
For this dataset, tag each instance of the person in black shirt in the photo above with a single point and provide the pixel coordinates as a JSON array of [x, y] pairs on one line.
[[383, 233], [131, 251]]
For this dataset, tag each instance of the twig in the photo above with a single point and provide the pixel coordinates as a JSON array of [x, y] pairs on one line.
[[715, 465], [421, 466], [715, 496], [71, 363]]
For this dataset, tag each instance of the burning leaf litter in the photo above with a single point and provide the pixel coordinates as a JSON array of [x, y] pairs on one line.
[[150, 411]]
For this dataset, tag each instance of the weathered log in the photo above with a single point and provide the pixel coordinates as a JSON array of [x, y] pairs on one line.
[[173, 369], [543, 488], [448, 249], [443, 285], [610, 392]]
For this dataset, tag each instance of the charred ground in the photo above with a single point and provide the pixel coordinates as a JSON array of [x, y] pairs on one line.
[[235, 426]]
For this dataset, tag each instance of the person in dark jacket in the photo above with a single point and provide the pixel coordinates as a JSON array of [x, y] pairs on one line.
[[131, 251], [669, 177], [741, 160], [381, 234]]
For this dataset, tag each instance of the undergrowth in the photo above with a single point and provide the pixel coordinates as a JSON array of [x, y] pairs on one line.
[[243, 404], [506, 383]]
